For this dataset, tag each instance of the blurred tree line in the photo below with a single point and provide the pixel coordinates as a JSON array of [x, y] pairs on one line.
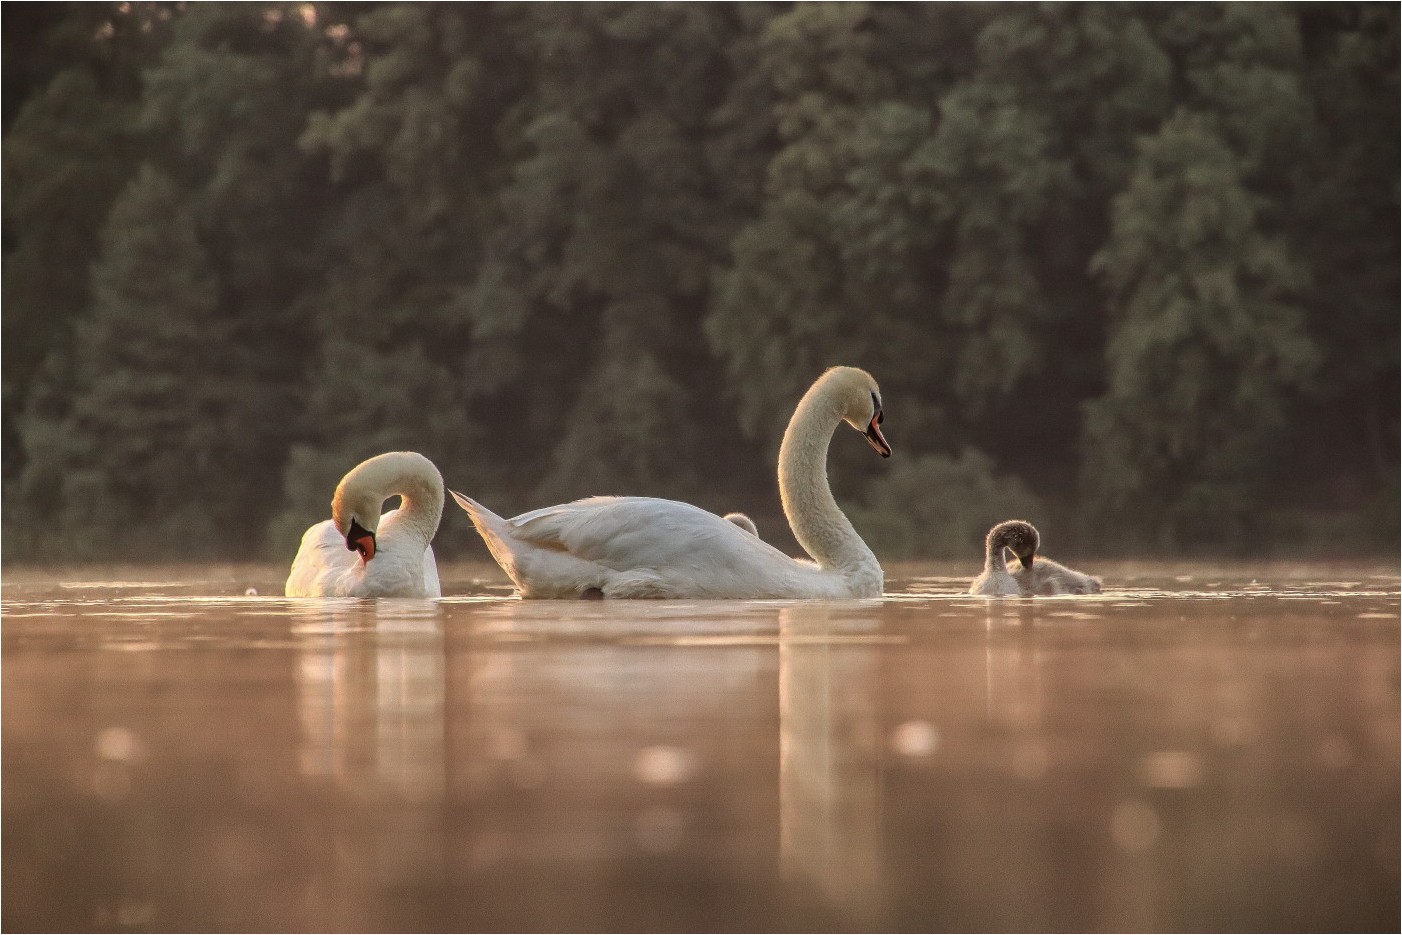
[[1130, 271]]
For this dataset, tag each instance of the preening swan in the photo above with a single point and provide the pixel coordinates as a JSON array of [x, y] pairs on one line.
[[743, 521], [996, 581], [358, 552], [640, 547], [1030, 574]]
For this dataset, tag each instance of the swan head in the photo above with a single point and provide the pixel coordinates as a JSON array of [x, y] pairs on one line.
[[859, 404], [1018, 535], [352, 519], [355, 506], [361, 494]]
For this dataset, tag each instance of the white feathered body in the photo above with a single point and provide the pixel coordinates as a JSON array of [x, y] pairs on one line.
[[641, 547], [324, 567]]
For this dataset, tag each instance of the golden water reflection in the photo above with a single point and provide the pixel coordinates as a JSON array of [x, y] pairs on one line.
[[1141, 760], [371, 708], [829, 745]]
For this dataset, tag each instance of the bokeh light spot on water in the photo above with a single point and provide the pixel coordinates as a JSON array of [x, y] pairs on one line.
[[915, 739], [1135, 826], [1172, 769], [118, 743], [664, 765], [135, 915], [127, 914]]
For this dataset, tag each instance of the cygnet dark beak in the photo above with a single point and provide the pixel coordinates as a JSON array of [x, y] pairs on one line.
[[875, 438], [359, 539], [1027, 559]]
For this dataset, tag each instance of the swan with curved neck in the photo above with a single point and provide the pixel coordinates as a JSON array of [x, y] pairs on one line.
[[361, 553], [640, 547]]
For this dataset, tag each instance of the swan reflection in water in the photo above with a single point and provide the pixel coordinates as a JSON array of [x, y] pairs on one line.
[[830, 743], [745, 742], [370, 694], [533, 736], [931, 761]]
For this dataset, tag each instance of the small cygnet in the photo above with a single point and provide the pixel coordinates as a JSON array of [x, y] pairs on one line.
[[996, 581], [743, 521], [1028, 575]]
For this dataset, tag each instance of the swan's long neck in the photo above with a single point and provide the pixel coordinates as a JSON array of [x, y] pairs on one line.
[[818, 524], [994, 558], [405, 474]]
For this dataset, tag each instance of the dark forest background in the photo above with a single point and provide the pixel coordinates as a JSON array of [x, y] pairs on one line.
[[1129, 271]]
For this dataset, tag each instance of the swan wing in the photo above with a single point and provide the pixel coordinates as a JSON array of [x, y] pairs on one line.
[[625, 533], [641, 547]]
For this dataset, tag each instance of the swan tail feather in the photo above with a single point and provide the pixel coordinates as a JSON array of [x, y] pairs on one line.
[[492, 528]]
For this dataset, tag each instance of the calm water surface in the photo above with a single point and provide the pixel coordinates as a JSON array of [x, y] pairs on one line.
[[1197, 749]]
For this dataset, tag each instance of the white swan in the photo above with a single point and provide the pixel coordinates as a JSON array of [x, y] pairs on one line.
[[743, 521], [1030, 574], [358, 552], [640, 547]]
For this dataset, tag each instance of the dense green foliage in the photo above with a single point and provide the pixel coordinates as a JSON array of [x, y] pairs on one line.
[[1130, 271]]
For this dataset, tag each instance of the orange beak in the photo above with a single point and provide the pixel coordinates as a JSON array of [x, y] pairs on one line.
[[359, 539], [875, 438], [365, 545]]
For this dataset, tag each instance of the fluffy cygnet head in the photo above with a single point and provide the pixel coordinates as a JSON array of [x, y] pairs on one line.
[[1018, 535], [743, 521]]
